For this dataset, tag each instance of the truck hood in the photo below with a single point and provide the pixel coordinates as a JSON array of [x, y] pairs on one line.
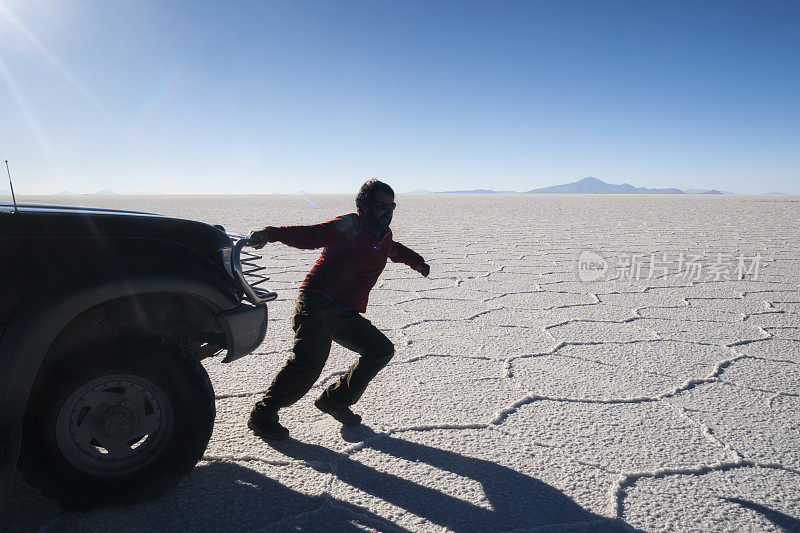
[[70, 222], [7, 207]]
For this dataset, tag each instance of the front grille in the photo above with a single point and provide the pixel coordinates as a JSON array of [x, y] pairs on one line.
[[248, 273]]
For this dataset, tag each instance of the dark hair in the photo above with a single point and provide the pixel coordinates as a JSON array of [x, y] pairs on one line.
[[366, 194]]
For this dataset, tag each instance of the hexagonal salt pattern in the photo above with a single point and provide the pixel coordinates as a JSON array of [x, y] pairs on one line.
[[520, 397], [620, 437], [747, 498], [617, 371], [758, 425]]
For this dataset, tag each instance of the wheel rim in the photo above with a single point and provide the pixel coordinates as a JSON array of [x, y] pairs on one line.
[[114, 424]]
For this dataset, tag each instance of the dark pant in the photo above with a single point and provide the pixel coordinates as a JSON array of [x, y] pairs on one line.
[[318, 321]]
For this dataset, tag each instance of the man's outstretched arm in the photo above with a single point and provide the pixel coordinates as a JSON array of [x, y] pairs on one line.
[[331, 233], [403, 254]]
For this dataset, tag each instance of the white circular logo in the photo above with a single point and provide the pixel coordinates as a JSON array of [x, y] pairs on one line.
[[591, 266]]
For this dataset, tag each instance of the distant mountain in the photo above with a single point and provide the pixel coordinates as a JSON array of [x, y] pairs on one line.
[[595, 186], [66, 193], [477, 191], [776, 193], [420, 191], [590, 185], [105, 192], [705, 191]]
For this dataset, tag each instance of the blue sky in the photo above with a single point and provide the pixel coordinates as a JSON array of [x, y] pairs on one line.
[[261, 97]]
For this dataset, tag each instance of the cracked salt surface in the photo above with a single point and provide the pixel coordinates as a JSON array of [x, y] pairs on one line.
[[752, 422], [703, 331], [758, 499], [622, 371], [473, 339], [520, 398]]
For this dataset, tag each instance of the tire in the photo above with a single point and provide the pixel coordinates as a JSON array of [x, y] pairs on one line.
[[119, 419]]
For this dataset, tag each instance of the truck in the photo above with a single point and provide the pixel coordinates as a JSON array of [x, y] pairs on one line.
[[105, 317]]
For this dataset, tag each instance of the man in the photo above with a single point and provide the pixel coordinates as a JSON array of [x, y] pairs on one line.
[[334, 293]]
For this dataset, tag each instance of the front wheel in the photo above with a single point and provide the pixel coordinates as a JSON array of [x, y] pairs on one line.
[[117, 419]]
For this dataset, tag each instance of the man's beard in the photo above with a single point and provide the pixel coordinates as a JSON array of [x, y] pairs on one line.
[[381, 223]]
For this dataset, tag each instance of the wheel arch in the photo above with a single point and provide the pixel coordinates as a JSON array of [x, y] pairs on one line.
[[181, 317], [53, 304]]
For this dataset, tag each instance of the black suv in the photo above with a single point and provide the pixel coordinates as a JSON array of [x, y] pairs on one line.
[[104, 318]]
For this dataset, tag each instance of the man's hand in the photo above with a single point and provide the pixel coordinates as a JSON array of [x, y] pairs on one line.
[[424, 269], [262, 236]]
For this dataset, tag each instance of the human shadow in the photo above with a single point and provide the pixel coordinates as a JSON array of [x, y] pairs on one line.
[[513, 500], [782, 520]]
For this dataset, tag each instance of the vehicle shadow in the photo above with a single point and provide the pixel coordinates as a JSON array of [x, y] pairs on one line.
[[219, 496], [514, 500]]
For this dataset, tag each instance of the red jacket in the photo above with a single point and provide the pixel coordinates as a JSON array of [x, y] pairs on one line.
[[351, 261]]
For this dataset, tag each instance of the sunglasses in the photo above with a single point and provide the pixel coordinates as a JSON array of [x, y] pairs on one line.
[[384, 206]]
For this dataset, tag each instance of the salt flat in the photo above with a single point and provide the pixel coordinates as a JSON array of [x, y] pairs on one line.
[[664, 395]]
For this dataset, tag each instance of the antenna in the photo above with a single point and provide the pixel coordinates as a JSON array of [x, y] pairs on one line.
[[14, 198]]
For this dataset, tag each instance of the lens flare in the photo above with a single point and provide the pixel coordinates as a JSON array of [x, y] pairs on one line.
[[22, 103], [53, 60]]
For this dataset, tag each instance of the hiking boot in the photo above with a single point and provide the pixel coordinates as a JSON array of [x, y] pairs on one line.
[[342, 413], [265, 424]]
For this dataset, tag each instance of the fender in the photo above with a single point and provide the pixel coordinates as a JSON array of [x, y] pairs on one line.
[[52, 304]]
